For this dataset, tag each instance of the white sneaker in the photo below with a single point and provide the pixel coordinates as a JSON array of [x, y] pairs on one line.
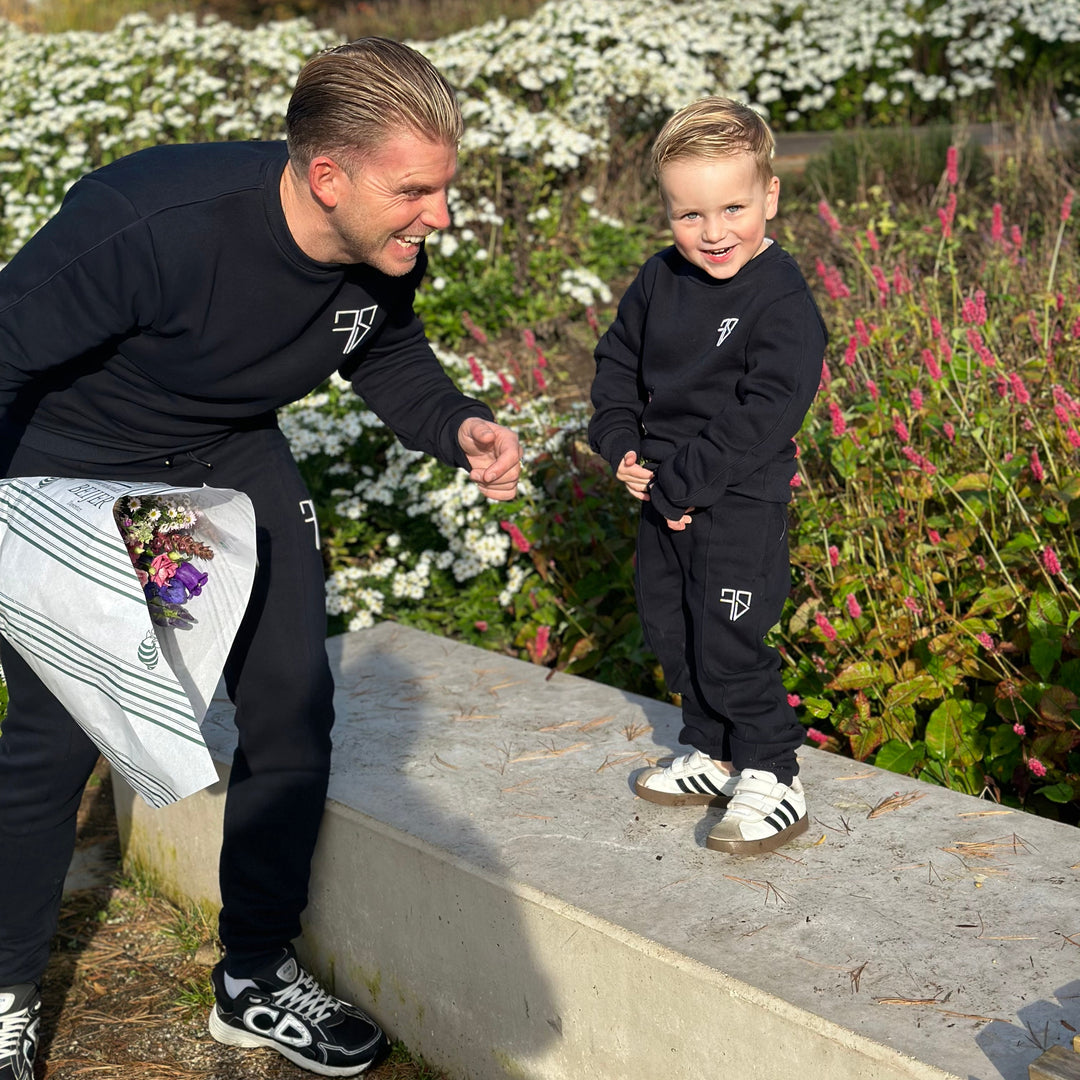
[[689, 780], [763, 815]]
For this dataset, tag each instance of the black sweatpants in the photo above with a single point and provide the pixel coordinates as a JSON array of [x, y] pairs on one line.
[[707, 596], [279, 678]]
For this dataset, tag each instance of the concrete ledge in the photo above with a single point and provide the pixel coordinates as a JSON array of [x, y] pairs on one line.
[[489, 886]]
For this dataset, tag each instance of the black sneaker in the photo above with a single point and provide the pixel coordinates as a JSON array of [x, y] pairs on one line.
[[20, 1016], [285, 1009]]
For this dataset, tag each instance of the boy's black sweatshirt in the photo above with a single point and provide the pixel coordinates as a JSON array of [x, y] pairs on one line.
[[167, 304], [710, 378]]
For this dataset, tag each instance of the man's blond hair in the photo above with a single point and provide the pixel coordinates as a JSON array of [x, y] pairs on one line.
[[350, 99], [714, 127]]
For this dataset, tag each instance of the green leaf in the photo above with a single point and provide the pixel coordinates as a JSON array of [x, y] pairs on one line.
[[818, 708], [1059, 793], [1003, 741], [952, 732], [1054, 515], [857, 676], [1000, 601], [1044, 612], [1044, 655], [898, 757], [908, 691]]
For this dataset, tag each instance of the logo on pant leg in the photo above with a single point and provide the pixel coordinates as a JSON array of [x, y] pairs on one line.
[[738, 601]]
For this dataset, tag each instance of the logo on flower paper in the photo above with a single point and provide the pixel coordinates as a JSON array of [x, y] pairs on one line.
[[148, 650]]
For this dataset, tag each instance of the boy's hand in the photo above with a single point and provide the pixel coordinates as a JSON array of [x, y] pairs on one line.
[[636, 477], [680, 525]]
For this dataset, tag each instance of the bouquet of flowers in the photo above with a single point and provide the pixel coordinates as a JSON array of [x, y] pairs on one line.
[[157, 533]]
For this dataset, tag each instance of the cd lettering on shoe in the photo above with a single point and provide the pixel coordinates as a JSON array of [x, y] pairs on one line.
[[689, 780], [283, 1008], [20, 1019]]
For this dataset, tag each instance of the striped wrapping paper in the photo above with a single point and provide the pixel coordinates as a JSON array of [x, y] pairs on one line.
[[72, 606]]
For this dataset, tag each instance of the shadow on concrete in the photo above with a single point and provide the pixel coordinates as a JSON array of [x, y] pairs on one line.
[[1012, 1046]]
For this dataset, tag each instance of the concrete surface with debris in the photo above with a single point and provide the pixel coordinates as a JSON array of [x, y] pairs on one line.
[[534, 918]]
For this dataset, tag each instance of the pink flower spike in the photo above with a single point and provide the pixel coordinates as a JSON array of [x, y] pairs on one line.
[[825, 626], [1036, 767], [912, 605], [853, 347], [986, 641], [516, 535], [952, 160], [997, 226], [901, 429], [839, 424], [817, 736], [980, 562], [935, 536], [932, 366], [834, 555], [1066, 205], [1020, 729], [794, 700], [541, 382], [916, 399], [1050, 561], [854, 610], [950, 431], [477, 372], [481, 625], [795, 481], [529, 338], [828, 217], [872, 389], [1037, 471], [543, 634]]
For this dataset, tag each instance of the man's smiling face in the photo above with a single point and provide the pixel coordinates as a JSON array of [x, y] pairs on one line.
[[393, 198]]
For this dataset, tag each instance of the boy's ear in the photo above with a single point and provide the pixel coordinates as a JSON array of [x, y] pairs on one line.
[[772, 198]]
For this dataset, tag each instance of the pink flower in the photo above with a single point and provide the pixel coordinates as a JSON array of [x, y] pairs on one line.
[[579, 491], [529, 338], [997, 227], [916, 399], [794, 700], [932, 366], [852, 349], [1016, 236], [505, 383], [825, 626], [839, 424], [481, 625], [826, 375], [1066, 205], [901, 429], [861, 331], [872, 389], [817, 736], [986, 641], [162, 569], [1036, 767], [1019, 390], [871, 239], [828, 217], [1049, 561], [541, 382], [834, 555], [946, 215], [980, 562], [516, 535], [900, 282], [543, 633], [474, 331], [1020, 729], [920, 462], [1036, 466], [854, 610], [591, 319], [950, 431], [912, 605], [935, 536], [477, 373], [952, 159], [795, 481], [882, 283]]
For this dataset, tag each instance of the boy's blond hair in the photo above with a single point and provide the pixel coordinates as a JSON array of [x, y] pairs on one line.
[[714, 127]]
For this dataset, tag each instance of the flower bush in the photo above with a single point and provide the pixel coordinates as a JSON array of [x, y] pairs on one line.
[[934, 628], [933, 622]]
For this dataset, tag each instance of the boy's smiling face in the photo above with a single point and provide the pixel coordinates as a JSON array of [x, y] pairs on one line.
[[718, 208]]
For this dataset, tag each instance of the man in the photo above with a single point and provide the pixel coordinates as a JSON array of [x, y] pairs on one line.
[[148, 332]]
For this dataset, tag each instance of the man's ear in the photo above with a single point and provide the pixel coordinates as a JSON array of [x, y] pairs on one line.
[[326, 179]]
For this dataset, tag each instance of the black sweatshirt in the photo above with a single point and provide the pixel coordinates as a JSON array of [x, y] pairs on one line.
[[167, 304], [711, 378]]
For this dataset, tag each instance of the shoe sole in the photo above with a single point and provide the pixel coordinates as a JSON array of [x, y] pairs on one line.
[[757, 847], [230, 1036], [679, 798]]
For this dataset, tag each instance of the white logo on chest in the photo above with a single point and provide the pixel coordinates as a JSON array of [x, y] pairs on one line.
[[724, 329], [363, 320]]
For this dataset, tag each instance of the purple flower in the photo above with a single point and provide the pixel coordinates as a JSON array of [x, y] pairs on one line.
[[193, 580], [173, 592]]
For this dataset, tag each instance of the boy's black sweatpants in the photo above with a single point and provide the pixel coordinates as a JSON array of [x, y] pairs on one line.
[[279, 678], [707, 596]]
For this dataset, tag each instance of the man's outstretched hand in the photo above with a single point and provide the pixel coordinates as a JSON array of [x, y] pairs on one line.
[[494, 455]]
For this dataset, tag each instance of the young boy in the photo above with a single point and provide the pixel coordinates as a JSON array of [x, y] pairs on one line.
[[701, 384]]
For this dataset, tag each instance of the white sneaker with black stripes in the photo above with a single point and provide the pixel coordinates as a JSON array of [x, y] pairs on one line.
[[689, 780], [763, 815]]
